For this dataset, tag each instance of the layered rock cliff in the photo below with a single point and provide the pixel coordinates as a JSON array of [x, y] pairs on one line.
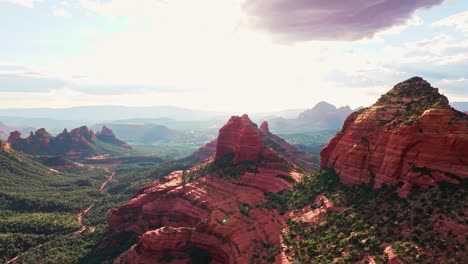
[[214, 211], [410, 136]]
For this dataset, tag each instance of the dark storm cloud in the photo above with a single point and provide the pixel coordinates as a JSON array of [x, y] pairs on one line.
[[347, 20]]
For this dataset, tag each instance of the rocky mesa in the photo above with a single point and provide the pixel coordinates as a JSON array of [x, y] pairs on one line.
[[214, 211], [410, 136]]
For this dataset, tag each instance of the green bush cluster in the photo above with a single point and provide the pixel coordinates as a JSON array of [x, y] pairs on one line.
[[371, 218]]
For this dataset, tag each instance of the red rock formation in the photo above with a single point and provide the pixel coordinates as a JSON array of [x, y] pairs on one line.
[[241, 137], [200, 208], [220, 216], [107, 135], [79, 143], [36, 143], [410, 135], [288, 152], [15, 135], [5, 145], [206, 151], [265, 128]]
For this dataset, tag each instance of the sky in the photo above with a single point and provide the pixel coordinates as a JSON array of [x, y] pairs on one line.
[[227, 55]]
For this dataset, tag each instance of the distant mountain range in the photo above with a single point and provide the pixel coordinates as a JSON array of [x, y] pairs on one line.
[[323, 116]]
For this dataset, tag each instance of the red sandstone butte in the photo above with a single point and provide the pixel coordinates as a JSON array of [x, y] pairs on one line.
[[218, 215], [240, 136], [411, 135]]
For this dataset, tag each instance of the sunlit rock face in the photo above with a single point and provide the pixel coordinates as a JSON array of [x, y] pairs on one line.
[[410, 136]]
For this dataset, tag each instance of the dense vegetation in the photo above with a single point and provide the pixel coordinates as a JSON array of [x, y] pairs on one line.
[[37, 204], [370, 220], [50, 217]]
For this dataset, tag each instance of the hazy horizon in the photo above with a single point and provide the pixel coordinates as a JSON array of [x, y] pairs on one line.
[[227, 56]]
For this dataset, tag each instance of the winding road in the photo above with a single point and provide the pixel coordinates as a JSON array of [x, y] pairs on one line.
[[79, 217]]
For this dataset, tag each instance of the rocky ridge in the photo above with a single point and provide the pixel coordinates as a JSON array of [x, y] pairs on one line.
[[410, 136], [78, 143]]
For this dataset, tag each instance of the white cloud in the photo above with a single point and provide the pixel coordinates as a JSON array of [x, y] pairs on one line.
[[61, 12], [436, 45], [205, 51], [459, 21], [453, 81], [204, 46], [25, 3]]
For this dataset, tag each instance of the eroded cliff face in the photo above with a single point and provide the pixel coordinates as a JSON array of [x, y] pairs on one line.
[[410, 136], [216, 214]]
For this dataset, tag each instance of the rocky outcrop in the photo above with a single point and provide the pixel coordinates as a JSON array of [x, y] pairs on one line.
[[410, 136], [38, 142], [288, 152], [240, 137], [5, 145], [215, 216], [79, 143], [204, 152], [106, 135]]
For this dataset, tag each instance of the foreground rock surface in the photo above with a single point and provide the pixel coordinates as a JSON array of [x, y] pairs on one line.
[[410, 136]]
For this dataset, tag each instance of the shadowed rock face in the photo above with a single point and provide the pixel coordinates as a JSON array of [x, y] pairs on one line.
[[219, 216], [411, 135]]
